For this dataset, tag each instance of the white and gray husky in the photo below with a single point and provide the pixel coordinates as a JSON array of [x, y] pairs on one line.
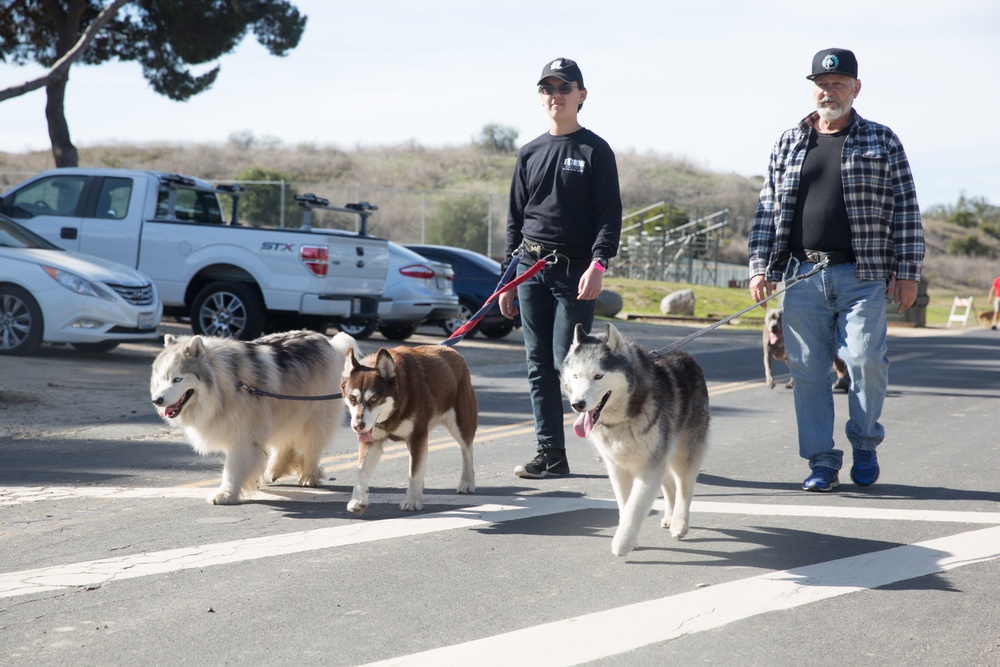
[[648, 417], [194, 384]]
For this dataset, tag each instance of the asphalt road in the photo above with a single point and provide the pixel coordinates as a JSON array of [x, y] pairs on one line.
[[110, 555]]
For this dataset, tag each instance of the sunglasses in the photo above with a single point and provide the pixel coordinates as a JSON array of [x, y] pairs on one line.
[[562, 89]]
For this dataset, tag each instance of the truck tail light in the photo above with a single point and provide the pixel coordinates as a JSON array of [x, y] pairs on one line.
[[316, 258], [421, 271]]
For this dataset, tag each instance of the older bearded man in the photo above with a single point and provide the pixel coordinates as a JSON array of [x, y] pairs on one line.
[[838, 190]]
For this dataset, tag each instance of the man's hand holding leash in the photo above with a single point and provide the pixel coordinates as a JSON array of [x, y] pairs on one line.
[[507, 307], [760, 289]]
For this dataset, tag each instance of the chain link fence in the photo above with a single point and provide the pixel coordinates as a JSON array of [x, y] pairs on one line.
[[403, 216]]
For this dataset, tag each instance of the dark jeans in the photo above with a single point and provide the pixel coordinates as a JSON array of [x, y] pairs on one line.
[[549, 313]]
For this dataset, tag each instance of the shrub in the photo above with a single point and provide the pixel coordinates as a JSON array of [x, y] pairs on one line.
[[969, 245]]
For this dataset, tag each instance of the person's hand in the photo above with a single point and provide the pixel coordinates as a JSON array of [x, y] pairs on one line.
[[903, 292], [590, 284], [506, 302], [760, 289]]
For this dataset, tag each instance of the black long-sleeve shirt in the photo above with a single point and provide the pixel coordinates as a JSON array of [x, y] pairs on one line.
[[565, 196]]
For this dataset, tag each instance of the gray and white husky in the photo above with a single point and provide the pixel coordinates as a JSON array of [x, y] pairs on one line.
[[195, 384], [648, 417]]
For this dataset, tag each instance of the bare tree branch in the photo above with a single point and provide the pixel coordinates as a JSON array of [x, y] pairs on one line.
[[61, 65]]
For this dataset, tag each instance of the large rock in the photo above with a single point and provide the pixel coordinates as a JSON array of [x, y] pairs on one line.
[[678, 303], [609, 303]]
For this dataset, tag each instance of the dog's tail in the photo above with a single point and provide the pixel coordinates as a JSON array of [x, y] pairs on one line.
[[343, 342]]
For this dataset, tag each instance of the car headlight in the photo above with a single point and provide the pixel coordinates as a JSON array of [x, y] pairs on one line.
[[78, 284]]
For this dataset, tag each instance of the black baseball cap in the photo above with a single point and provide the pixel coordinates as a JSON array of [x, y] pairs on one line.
[[562, 68], [834, 61]]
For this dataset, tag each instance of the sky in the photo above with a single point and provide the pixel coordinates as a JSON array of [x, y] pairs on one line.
[[711, 82]]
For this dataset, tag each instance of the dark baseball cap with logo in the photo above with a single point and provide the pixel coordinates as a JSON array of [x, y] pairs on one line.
[[562, 68], [834, 61]]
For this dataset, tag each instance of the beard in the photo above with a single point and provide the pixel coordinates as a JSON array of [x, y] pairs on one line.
[[830, 114]]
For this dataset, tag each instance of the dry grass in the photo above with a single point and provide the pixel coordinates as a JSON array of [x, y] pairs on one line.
[[408, 181]]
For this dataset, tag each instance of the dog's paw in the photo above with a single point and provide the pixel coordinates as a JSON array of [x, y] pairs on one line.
[[311, 481], [621, 545], [678, 527], [356, 507], [411, 505], [222, 498], [466, 488], [790, 384], [770, 383]]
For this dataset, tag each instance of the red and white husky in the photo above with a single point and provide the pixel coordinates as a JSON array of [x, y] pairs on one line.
[[401, 394]]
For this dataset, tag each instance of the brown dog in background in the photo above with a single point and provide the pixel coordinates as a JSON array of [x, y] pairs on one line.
[[774, 349]]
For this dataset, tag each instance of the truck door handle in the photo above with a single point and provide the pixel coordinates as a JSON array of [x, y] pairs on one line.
[[68, 233]]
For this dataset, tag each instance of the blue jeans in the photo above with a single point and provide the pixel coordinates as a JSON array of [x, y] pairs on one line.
[[549, 313], [835, 312]]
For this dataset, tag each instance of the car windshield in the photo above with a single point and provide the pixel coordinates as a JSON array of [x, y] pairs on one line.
[[13, 235]]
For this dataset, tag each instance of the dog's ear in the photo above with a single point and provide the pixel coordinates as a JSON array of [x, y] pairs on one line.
[[169, 339], [351, 363], [385, 365], [578, 335], [614, 338], [195, 347]]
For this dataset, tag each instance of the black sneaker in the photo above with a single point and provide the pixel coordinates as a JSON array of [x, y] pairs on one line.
[[548, 463]]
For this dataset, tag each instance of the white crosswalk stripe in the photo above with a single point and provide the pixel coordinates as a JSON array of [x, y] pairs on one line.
[[583, 638]]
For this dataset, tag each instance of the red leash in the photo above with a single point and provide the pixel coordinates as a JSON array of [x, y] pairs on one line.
[[503, 287]]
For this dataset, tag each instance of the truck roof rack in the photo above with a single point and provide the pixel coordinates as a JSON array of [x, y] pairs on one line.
[[309, 201], [173, 180]]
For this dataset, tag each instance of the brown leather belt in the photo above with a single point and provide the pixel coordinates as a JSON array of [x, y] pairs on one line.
[[817, 256]]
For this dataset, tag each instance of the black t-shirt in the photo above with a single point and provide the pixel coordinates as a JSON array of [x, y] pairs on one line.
[[821, 221], [565, 196]]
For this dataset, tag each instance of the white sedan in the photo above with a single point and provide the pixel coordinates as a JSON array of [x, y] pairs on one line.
[[56, 296]]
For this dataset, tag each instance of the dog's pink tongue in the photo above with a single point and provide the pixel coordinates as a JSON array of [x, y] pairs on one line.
[[584, 424], [365, 437], [775, 337]]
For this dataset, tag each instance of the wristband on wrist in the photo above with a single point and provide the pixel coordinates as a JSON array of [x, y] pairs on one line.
[[598, 266]]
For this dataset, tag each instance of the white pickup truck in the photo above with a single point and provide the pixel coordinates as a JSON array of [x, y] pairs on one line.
[[230, 280]]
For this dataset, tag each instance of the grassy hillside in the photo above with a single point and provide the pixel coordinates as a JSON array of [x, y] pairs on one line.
[[410, 183]]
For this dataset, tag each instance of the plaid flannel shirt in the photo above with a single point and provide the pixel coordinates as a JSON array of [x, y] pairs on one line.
[[886, 232]]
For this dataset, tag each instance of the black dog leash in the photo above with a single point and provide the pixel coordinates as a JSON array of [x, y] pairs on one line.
[[260, 392], [701, 332]]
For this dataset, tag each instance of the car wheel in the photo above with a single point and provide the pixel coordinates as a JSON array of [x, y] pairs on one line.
[[359, 330], [397, 331], [497, 330], [466, 309], [21, 324], [230, 310], [103, 346]]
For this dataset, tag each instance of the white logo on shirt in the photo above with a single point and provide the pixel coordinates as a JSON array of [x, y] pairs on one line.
[[570, 164]]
